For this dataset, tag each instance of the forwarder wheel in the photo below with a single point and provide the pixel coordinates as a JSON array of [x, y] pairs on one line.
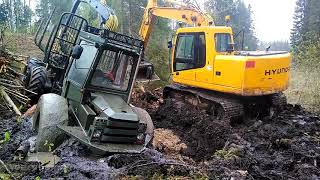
[[52, 110], [145, 118], [37, 83]]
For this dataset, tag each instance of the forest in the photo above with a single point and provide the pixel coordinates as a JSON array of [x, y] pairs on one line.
[[16, 16], [75, 108], [305, 37], [305, 42]]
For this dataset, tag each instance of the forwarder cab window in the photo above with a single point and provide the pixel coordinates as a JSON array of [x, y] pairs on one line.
[[222, 42], [190, 52]]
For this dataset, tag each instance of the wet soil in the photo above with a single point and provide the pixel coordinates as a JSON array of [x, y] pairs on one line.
[[19, 130], [77, 163], [286, 146], [202, 134]]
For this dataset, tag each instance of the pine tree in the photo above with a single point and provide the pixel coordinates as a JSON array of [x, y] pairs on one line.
[[45, 8], [311, 25], [3, 14], [298, 23], [305, 36], [241, 19], [130, 13]]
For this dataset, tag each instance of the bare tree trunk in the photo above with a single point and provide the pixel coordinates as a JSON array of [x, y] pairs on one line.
[[9, 6], [121, 18], [130, 19]]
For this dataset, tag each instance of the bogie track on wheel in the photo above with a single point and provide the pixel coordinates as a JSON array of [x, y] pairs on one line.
[[226, 107]]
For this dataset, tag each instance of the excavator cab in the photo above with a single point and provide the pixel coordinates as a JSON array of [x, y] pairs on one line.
[[204, 57], [205, 67]]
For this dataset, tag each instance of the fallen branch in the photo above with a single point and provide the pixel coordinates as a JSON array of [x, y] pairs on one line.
[[6, 80], [162, 164], [30, 91], [15, 93], [9, 85], [9, 101], [20, 101], [8, 171], [17, 73]]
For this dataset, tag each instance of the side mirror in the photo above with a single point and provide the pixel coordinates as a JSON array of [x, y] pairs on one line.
[[77, 51], [230, 48], [170, 44]]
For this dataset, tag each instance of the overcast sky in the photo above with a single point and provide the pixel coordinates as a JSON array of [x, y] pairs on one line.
[[272, 18]]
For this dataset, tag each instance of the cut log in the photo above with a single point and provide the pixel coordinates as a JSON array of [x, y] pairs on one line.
[[9, 101]]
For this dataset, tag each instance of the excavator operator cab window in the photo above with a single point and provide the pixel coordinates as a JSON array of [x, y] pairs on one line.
[[190, 52], [222, 42]]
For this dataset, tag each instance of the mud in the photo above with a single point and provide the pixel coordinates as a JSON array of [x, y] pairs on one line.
[[286, 146], [19, 132], [199, 131], [283, 147], [190, 143], [146, 164], [150, 100]]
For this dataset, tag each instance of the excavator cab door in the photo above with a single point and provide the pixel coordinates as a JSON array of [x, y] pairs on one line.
[[189, 55]]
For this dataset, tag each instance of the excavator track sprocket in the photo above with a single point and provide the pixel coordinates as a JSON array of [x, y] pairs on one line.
[[217, 104]]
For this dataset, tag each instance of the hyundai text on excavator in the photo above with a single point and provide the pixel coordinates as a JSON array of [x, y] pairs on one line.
[[208, 72]]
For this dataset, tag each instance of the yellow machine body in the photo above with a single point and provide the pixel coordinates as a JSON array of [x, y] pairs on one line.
[[219, 69]]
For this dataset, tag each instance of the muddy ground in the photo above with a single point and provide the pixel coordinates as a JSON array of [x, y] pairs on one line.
[[286, 146], [189, 143]]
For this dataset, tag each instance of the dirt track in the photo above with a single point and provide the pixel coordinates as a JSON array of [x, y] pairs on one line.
[[284, 147]]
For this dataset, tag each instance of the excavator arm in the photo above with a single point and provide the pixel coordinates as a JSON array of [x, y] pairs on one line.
[[180, 12]]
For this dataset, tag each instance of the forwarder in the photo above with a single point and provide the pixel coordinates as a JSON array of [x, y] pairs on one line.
[[90, 73], [208, 72]]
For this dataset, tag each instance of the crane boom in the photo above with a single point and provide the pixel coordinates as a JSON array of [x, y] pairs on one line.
[[180, 12]]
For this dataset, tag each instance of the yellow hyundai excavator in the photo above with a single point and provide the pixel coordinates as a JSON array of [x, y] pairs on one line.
[[209, 73]]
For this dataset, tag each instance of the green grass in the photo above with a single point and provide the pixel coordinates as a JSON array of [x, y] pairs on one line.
[[305, 88]]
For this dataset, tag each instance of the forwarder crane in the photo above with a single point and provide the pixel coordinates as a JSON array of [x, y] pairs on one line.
[[208, 72]]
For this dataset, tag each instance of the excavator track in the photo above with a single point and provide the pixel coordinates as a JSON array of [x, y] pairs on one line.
[[278, 100], [277, 103], [216, 103]]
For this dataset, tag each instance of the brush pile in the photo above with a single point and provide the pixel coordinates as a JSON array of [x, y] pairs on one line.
[[12, 91]]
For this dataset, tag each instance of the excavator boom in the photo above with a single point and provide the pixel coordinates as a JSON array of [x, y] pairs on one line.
[[179, 12]]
